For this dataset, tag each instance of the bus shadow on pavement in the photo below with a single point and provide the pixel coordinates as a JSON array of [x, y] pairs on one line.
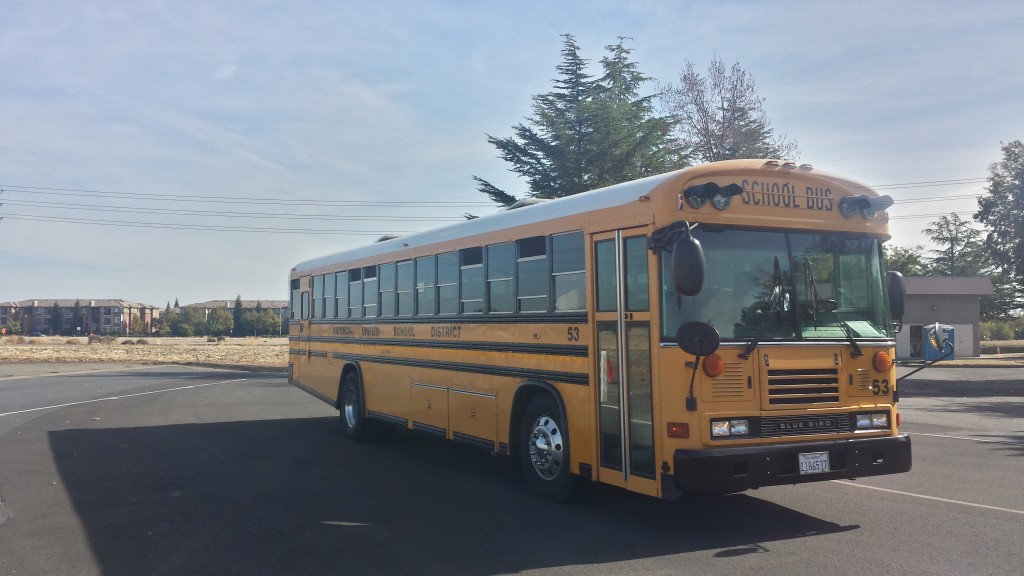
[[293, 496]]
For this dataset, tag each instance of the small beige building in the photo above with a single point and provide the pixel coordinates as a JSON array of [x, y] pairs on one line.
[[951, 300]]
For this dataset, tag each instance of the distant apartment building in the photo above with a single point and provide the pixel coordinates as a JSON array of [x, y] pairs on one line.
[[107, 317]]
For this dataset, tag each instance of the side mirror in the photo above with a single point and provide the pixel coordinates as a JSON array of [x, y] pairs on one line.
[[688, 266], [897, 295], [697, 339]]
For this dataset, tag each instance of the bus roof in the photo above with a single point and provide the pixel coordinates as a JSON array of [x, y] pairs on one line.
[[608, 197]]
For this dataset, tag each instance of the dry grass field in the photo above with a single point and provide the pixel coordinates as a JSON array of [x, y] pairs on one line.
[[231, 352]]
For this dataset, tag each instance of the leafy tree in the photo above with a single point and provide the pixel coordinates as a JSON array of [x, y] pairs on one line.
[[260, 322], [721, 117], [237, 316], [1000, 212], [586, 133], [220, 322], [961, 252], [907, 261], [193, 318], [136, 325], [166, 322]]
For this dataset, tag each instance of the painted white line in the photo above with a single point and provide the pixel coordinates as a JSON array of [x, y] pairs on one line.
[[124, 368], [936, 498], [109, 398], [971, 439]]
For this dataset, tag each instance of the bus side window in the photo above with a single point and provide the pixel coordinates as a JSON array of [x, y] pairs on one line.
[[448, 283], [341, 293], [471, 280], [296, 311], [318, 296], [370, 295], [406, 288], [533, 279], [329, 304], [567, 271], [426, 297], [387, 290], [355, 293], [500, 265]]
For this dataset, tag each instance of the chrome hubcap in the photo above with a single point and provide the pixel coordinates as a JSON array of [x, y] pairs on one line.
[[546, 448], [350, 407]]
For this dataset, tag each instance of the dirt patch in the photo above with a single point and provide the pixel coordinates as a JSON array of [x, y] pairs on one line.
[[234, 352]]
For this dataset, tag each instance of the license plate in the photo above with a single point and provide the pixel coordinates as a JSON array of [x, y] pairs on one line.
[[813, 462]]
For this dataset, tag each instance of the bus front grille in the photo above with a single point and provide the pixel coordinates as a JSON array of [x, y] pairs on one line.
[[803, 386], [781, 426]]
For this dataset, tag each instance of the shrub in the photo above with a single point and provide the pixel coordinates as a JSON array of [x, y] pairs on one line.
[[72, 341], [211, 338], [128, 342], [142, 341]]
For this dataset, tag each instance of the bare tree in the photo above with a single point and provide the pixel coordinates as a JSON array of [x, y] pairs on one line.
[[720, 116]]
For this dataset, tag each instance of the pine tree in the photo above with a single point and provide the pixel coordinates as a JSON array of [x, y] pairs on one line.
[[586, 133], [237, 316], [961, 252]]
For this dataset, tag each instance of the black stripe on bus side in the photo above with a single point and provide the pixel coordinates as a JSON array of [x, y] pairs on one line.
[[428, 429], [524, 373], [544, 349], [474, 441], [538, 318], [394, 420]]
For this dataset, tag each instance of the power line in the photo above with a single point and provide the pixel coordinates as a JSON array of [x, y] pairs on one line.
[[930, 183], [219, 214], [199, 227], [232, 199]]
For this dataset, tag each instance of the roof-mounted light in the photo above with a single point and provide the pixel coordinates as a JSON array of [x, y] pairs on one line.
[[720, 196], [868, 206]]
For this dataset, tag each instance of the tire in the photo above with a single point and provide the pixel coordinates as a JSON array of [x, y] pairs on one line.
[[352, 412], [544, 449]]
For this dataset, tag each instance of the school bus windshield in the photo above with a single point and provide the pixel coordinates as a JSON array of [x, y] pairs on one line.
[[826, 286]]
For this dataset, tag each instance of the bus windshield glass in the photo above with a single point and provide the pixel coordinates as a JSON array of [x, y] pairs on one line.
[[828, 286]]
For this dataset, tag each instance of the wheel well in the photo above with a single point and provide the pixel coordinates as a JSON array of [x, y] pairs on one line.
[[349, 368], [528, 391]]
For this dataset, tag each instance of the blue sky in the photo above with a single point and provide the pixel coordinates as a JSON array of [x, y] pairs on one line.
[[123, 112]]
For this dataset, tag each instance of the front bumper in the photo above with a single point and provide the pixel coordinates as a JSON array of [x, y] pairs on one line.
[[741, 468]]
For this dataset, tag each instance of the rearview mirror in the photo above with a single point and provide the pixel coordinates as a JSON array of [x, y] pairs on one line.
[[897, 295], [688, 266]]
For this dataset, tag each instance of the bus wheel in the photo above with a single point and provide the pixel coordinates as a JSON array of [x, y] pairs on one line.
[[544, 449], [352, 418]]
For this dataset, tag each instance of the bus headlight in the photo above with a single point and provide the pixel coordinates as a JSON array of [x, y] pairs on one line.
[[876, 421], [726, 428]]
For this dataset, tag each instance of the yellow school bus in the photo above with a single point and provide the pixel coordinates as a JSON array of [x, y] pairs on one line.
[[718, 328]]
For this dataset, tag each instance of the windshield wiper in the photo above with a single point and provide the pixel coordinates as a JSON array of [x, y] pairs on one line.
[[772, 308], [830, 309]]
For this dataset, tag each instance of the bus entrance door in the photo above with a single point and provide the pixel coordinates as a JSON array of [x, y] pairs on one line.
[[623, 329]]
